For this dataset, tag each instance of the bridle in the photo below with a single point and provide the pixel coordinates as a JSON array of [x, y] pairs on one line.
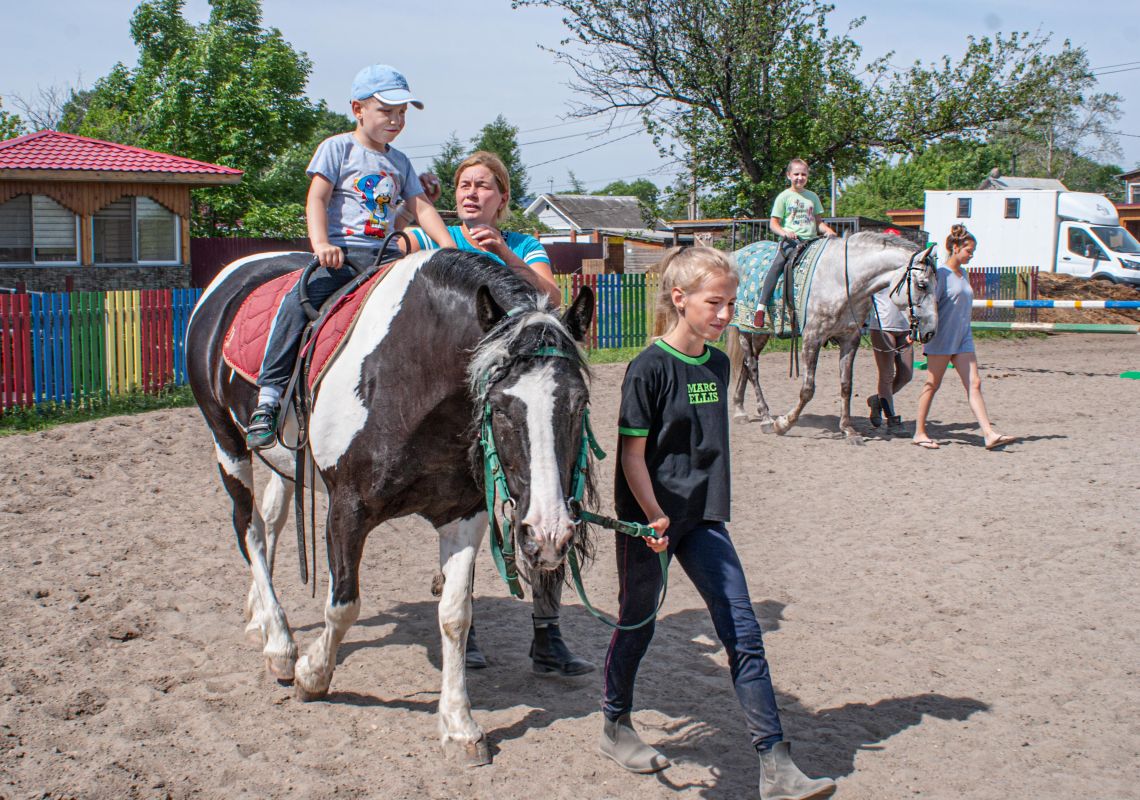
[[495, 485], [911, 306], [912, 266]]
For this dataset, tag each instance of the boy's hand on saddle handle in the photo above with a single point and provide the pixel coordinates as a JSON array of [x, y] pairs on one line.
[[329, 255]]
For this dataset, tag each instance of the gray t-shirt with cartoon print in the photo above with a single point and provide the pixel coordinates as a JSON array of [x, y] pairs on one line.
[[367, 188]]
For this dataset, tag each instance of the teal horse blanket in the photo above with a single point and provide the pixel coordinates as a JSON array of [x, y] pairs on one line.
[[752, 264]]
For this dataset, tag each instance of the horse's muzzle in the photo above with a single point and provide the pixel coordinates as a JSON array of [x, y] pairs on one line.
[[541, 553]]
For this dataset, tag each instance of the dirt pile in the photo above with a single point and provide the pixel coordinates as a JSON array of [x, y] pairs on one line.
[[1052, 286]]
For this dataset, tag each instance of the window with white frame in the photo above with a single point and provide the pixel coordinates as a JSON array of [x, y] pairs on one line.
[[135, 230], [35, 229]]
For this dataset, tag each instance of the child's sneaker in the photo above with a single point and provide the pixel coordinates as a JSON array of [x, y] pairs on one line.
[[262, 430]]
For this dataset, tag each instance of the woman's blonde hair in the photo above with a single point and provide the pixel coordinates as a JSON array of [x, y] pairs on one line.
[[485, 158], [958, 238], [685, 268]]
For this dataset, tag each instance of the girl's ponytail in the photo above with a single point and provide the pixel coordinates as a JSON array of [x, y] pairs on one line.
[[958, 238]]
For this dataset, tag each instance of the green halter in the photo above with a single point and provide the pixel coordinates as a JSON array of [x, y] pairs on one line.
[[502, 539]]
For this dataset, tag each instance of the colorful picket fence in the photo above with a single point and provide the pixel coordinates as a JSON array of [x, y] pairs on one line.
[[625, 303], [75, 347], [1002, 283]]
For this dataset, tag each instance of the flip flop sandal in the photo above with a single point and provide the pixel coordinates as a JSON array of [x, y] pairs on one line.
[[926, 444], [1002, 441]]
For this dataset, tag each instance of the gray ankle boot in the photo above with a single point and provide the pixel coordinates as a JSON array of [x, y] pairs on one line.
[[781, 779], [621, 743]]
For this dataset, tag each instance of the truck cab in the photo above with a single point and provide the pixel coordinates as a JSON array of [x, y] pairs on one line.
[[1090, 241]]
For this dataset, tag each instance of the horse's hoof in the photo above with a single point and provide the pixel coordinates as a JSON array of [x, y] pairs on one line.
[[740, 416], [780, 426], [470, 754], [855, 439], [767, 426], [306, 685]]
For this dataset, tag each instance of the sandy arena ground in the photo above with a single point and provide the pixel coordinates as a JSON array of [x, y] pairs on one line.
[[951, 624]]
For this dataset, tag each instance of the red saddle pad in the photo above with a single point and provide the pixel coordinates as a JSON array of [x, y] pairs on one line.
[[244, 347]]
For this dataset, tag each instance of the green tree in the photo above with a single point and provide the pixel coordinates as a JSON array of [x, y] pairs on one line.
[[284, 180], [736, 88], [501, 138], [443, 166], [644, 190], [227, 91], [10, 124], [952, 164]]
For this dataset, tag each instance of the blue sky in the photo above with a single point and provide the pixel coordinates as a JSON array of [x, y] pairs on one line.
[[472, 60]]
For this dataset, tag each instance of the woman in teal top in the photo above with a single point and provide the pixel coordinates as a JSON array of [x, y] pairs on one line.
[[482, 195]]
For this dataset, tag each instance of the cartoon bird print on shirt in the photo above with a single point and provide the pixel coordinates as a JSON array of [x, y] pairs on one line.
[[377, 192]]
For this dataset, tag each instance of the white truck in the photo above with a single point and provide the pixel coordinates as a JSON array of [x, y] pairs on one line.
[[1077, 233]]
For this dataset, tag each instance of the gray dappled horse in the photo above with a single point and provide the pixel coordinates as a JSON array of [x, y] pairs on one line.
[[848, 273], [394, 431]]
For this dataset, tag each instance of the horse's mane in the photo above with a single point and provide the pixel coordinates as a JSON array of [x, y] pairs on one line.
[[870, 239]]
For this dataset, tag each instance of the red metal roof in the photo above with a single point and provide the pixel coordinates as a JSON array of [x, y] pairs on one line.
[[52, 150]]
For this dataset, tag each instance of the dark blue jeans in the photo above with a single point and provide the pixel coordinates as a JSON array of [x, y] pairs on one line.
[[706, 553], [285, 334]]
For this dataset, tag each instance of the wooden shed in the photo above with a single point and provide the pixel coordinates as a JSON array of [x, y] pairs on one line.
[[84, 214]]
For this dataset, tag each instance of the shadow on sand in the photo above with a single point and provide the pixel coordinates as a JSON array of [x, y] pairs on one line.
[[708, 731]]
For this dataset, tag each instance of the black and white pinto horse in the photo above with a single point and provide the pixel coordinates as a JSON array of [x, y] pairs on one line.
[[394, 428], [848, 273]]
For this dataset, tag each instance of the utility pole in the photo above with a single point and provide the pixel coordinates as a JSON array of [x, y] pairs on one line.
[[694, 211], [834, 186]]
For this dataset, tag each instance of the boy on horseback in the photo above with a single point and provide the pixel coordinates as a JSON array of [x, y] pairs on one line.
[[797, 217], [358, 180]]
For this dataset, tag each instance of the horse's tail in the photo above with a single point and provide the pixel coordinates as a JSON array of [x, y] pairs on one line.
[[735, 352]]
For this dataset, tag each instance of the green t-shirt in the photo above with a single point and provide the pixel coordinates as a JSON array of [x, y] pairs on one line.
[[794, 210]]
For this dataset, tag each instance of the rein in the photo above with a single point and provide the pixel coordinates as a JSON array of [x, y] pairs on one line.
[[502, 537]]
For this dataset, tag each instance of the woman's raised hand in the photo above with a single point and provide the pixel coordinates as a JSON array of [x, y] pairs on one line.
[[487, 238]]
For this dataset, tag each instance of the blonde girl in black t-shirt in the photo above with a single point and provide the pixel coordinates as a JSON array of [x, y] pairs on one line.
[[673, 474]]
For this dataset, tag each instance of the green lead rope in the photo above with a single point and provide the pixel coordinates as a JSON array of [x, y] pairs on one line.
[[590, 443]]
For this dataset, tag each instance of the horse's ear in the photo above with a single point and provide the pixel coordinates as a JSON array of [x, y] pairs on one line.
[[487, 311], [925, 254], [580, 314]]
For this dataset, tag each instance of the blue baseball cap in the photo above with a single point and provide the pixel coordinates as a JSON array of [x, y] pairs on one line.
[[384, 83]]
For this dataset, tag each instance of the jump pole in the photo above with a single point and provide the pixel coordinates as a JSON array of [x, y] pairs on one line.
[[1057, 304], [1055, 327]]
